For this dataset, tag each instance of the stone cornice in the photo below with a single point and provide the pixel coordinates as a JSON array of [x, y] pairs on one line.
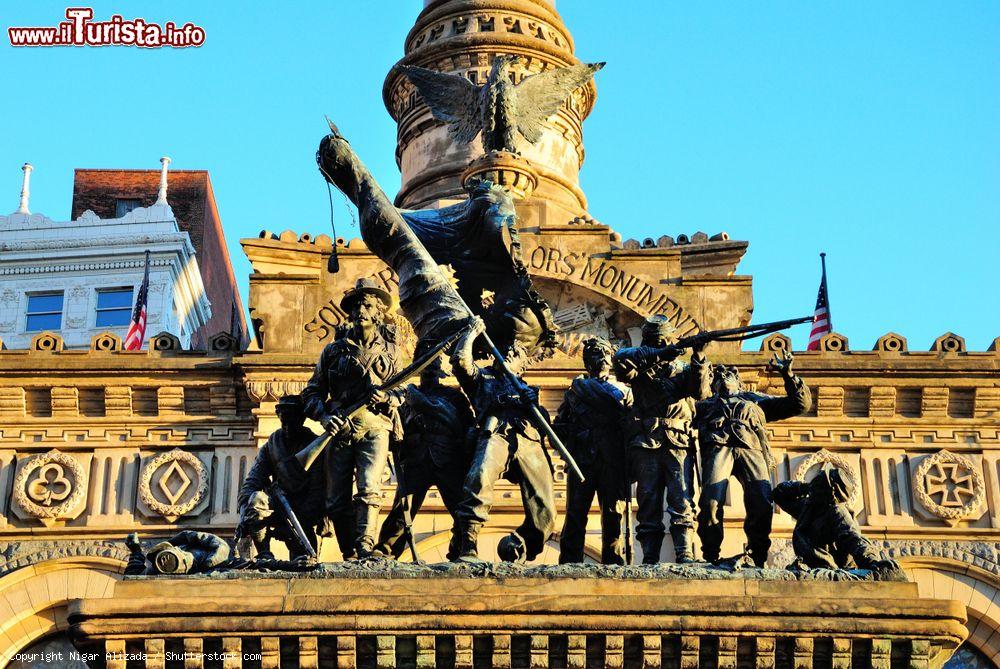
[[111, 241], [82, 267]]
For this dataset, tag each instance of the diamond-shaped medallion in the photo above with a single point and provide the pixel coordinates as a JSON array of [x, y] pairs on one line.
[[174, 482]]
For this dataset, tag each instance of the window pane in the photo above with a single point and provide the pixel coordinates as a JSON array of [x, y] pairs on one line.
[[968, 657], [124, 206], [40, 322], [113, 318], [43, 303], [114, 299]]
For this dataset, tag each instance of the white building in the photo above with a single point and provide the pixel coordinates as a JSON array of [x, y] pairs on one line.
[[80, 278]]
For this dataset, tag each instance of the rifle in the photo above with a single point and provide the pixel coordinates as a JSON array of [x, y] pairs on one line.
[[293, 522], [739, 334], [671, 351], [308, 455]]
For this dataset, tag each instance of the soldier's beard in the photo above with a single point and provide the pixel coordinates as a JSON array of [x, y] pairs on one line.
[[599, 370]]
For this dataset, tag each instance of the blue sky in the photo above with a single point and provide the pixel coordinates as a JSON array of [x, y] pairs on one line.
[[866, 130]]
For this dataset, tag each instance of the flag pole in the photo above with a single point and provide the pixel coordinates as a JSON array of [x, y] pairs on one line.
[[829, 317]]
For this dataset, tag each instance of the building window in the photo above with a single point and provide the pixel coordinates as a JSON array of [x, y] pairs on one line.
[[44, 312], [125, 205], [968, 657], [114, 307]]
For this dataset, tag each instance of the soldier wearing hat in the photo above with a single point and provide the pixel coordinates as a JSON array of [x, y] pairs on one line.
[[363, 355], [658, 433], [589, 422], [187, 552], [435, 451], [732, 428], [260, 518]]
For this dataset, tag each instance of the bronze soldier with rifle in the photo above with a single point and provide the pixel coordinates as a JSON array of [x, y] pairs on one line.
[[279, 499], [351, 369], [658, 433]]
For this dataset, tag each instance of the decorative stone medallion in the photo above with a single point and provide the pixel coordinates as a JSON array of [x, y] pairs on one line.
[[949, 486], [50, 487], [825, 457], [173, 484]]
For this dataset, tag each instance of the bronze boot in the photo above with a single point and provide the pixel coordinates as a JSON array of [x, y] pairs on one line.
[[651, 548], [468, 550], [683, 538]]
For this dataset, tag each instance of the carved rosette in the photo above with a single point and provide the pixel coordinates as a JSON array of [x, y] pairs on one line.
[[51, 487], [949, 486], [825, 457], [173, 484]]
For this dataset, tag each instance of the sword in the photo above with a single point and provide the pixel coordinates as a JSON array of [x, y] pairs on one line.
[[404, 501], [293, 522], [628, 518]]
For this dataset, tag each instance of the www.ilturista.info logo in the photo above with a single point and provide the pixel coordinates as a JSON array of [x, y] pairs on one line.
[[80, 30]]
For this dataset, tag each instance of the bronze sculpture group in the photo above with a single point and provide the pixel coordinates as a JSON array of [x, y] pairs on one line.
[[637, 416]]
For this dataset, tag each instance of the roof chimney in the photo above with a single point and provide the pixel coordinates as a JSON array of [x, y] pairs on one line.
[[161, 195], [25, 191]]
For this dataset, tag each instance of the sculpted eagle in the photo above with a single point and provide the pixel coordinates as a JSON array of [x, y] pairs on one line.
[[499, 108]]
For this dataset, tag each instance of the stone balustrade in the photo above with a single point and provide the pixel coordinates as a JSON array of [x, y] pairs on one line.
[[535, 620]]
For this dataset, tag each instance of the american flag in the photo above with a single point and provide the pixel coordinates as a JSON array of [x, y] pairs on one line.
[[821, 317], [137, 328]]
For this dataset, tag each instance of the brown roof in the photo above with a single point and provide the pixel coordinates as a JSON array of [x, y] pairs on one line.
[[189, 194]]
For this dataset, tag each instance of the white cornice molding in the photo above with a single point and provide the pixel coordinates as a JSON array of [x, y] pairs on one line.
[[82, 267], [97, 242]]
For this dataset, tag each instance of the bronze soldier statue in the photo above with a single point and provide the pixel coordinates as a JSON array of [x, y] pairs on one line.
[[732, 427], [363, 355], [187, 552], [507, 445], [435, 451], [658, 432], [589, 422], [263, 518], [826, 536]]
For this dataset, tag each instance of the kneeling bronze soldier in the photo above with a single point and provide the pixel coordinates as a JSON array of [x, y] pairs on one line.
[[363, 355], [435, 451], [589, 422], [263, 518], [826, 536], [660, 447], [508, 445], [732, 429]]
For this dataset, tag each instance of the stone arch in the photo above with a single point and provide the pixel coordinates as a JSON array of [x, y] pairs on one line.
[[976, 588], [33, 599]]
